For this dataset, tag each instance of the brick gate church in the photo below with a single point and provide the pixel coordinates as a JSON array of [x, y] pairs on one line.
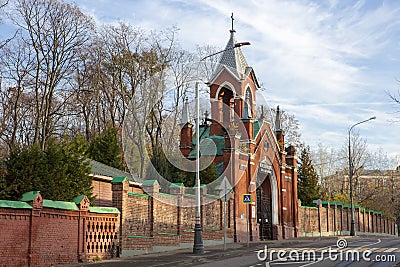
[[249, 153]]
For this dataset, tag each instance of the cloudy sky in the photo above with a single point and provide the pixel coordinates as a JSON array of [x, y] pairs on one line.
[[330, 63]]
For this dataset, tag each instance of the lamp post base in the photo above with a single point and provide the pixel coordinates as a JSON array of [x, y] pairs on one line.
[[198, 247], [352, 229]]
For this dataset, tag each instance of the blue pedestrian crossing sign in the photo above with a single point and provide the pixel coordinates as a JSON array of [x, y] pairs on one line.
[[246, 199]]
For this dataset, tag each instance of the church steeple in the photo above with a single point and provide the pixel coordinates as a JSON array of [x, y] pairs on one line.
[[278, 126], [186, 143], [185, 113], [280, 134], [233, 57]]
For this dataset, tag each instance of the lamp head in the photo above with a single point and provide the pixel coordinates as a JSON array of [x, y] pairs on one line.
[[241, 44], [372, 118]]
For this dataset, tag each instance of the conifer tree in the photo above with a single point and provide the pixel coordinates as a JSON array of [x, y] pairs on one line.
[[308, 187], [59, 172], [106, 149]]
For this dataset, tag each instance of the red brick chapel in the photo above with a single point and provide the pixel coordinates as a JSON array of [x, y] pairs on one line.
[[249, 153]]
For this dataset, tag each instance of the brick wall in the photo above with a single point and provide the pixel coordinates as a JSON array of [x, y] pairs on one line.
[[44, 233], [335, 219], [166, 219], [14, 236]]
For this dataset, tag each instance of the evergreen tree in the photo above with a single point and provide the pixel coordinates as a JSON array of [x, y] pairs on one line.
[[207, 175], [106, 149], [59, 172], [173, 174], [308, 187]]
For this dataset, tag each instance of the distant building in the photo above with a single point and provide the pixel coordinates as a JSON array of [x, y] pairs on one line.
[[365, 180], [102, 175]]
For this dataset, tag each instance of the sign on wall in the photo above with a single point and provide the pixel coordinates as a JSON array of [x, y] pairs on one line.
[[246, 199]]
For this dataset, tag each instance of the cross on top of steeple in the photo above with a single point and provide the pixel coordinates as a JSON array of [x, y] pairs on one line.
[[232, 30]]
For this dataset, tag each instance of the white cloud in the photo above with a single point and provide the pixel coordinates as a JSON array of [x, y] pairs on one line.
[[328, 63]]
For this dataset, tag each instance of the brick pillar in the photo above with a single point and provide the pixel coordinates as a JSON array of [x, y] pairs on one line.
[[373, 225], [179, 190], [357, 215], [35, 199], [384, 225], [328, 207], [120, 188], [151, 187], [334, 219], [83, 204], [291, 159]]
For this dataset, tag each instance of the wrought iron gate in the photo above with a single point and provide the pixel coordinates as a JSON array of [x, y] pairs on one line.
[[264, 214]]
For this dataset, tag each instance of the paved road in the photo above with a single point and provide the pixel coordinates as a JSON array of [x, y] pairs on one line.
[[326, 252], [354, 252]]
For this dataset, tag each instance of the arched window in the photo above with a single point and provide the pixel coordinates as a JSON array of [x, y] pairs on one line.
[[226, 103], [247, 112]]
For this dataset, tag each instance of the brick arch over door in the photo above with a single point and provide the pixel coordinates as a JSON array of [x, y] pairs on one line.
[[266, 181]]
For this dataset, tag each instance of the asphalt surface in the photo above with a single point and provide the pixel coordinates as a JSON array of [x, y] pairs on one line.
[[373, 251]]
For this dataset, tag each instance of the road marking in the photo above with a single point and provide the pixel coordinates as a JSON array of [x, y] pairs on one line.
[[341, 251], [380, 250], [300, 250], [390, 250]]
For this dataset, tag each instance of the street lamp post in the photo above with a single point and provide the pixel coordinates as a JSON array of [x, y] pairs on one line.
[[352, 225], [198, 247]]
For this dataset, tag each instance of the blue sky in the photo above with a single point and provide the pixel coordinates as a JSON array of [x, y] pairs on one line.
[[330, 63]]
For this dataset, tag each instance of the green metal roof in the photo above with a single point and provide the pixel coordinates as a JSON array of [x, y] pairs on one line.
[[256, 127], [149, 182], [138, 194], [108, 210], [62, 205], [167, 195], [119, 179], [208, 148], [78, 199], [14, 204], [176, 185], [29, 196], [105, 170], [204, 132]]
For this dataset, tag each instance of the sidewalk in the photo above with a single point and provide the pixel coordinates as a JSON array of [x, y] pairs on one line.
[[185, 257]]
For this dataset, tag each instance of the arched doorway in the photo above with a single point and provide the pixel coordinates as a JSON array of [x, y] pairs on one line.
[[267, 201], [264, 211]]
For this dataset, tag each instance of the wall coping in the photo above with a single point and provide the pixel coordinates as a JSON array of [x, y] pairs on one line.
[[14, 204], [62, 205], [104, 210], [132, 194]]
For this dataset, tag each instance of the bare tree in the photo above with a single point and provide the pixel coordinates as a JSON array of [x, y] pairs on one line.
[[289, 123], [55, 30], [3, 4], [17, 61], [329, 164]]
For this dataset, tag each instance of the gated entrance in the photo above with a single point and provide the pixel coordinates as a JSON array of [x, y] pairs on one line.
[[264, 210]]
